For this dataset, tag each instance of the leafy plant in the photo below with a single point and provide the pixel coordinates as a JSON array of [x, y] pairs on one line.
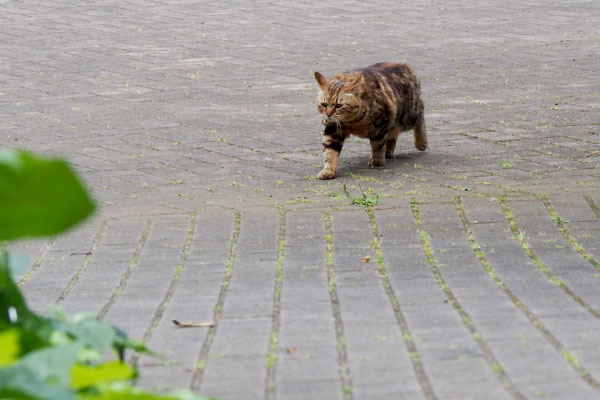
[[366, 199], [55, 357], [38, 197], [506, 164]]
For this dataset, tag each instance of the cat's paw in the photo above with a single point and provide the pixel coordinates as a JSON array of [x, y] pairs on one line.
[[421, 145], [326, 174], [376, 162]]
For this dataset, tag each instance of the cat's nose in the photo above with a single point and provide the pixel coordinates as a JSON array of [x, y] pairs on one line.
[[329, 111]]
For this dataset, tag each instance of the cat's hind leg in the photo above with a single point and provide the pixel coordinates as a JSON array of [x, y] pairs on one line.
[[420, 132], [378, 152], [390, 143]]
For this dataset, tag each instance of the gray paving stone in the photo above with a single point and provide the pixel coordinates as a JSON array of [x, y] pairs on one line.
[[208, 108], [153, 274], [222, 383]]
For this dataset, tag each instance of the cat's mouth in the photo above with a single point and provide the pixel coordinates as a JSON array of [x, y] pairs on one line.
[[332, 125], [331, 121]]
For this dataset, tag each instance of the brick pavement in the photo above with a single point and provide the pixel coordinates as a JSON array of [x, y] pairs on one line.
[[193, 123]]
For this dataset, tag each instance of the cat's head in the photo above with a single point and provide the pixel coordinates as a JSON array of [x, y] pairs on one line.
[[339, 99]]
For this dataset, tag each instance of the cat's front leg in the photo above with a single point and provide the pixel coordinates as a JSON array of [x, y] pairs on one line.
[[377, 153], [332, 146]]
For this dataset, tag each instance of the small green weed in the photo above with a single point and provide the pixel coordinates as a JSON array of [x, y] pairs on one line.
[[506, 164], [365, 200]]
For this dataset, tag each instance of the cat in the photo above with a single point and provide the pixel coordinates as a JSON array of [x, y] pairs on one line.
[[377, 102]]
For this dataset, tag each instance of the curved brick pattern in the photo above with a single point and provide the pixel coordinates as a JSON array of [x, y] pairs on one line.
[[149, 283], [512, 318], [203, 356], [307, 364], [193, 301], [30, 250], [409, 341], [525, 241], [55, 268], [194, 124], [340, 337], [447, 280], [244, 329], [271, 385]]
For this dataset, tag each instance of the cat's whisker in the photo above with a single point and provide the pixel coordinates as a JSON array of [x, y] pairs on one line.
[[338, 125]]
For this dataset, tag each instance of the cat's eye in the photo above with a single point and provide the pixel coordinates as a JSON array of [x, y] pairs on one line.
[[323, 104], [338, 105]]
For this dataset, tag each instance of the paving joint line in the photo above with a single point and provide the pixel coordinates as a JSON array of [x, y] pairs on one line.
[[592, 205], [413, 353], [36, 266], [200, 366], [560, 224], [488, 355], [520, 237], [270, 384], [554, 342], [135, 260], [343, 367], [84, 265], [172, 286]]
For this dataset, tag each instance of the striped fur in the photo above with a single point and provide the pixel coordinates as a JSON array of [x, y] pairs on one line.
[[377, 102]]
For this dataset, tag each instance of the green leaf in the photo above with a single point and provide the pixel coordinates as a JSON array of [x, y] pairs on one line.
[[83, 376], [53, 364], [95, 334], [42, 375], [84, 327], [13, 309], [39, 197], [128, 395], [122, 343], [19, 382], [9, 347], [124, 391]]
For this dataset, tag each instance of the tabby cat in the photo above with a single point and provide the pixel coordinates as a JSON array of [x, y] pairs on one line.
[[377, 102]]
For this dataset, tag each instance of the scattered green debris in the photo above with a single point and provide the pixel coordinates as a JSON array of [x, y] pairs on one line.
[[506, 164]]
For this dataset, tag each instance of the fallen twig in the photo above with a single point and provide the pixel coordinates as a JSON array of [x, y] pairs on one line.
[[206, 324]]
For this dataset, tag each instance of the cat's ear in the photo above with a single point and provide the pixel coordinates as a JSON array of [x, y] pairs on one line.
[[322, 81], [355, 82]]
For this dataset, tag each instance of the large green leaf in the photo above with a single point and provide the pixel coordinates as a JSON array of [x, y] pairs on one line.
[[96, 335], [124, 391], [41, 374], [85, 328], [13, 309], [53, 364], [19, 382], [83, 376], [39, 197], [9, 347]]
